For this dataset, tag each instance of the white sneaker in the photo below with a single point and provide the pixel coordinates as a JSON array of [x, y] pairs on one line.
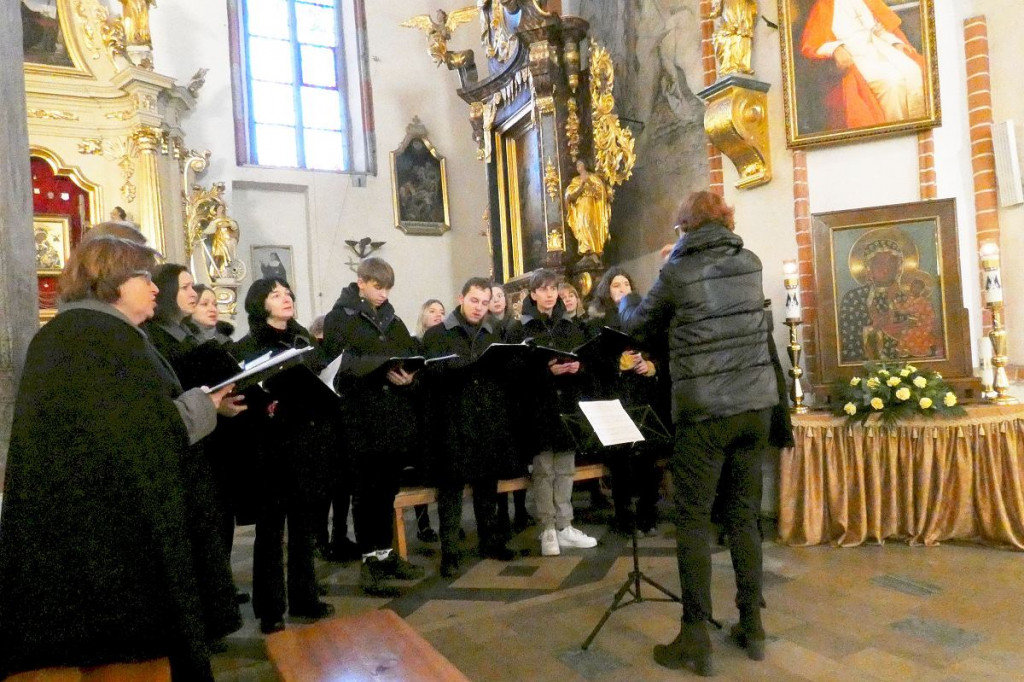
[[549, 543], [571, 537]]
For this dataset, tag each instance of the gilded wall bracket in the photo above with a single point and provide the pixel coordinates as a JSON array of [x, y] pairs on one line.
[[736, 120]]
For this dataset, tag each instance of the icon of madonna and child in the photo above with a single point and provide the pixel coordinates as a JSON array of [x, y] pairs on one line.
[[890, 302]]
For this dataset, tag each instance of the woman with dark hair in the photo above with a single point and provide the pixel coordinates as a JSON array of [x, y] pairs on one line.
[[289, 464], [205, 322], [633, 379], [107, 551], [175, 303]]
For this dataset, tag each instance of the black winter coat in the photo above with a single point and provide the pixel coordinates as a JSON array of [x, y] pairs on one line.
[[544, 397], [108, 549], [709, 300], [467, 405], [379, 419]]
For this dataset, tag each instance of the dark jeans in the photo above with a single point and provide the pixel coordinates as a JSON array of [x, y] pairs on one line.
[[373, 512], [449, 510], [268, 582], [702, 450], [635, 473]]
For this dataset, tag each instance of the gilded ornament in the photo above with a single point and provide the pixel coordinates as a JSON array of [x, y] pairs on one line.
[[614, 156], [733, 35], [114, 39], [439, 32], [135, 19], [555, 241], [93, 18], [736, 122], [551, 180], [222, 240], [588, 201], [52, 115], [90, 147], [572, 128], [498, 40]]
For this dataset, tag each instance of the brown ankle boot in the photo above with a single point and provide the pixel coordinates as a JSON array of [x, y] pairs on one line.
[[691, 646], [749, 634]]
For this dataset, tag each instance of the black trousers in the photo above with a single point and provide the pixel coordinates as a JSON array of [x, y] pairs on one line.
[[449, 511], [373, 511], [701, 452], [268, 583], [635, 473]]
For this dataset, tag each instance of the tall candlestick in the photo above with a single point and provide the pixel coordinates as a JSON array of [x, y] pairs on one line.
[[791, 280], [994, 300]]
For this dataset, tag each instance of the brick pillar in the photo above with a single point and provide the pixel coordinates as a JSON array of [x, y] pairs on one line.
[[716, 178], [979, 105], [805, 257], [926, 164]]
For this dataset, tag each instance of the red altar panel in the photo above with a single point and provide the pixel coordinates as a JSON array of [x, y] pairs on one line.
[[54, 194]]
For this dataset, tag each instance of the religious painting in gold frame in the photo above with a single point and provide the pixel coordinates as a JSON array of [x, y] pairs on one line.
[[841, 90], [49, 37], [52, 236], [888, 290], [419, 185]]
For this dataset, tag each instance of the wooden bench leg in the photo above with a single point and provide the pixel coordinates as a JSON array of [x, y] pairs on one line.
[[401, 546]]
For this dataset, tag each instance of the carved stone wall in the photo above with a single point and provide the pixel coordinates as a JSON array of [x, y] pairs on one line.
[[17, 253]]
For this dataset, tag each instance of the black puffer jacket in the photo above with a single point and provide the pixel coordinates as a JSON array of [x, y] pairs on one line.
[[709, 300], [380, 419]]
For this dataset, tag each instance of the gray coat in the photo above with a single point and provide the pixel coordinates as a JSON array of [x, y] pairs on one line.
[[709, 300]]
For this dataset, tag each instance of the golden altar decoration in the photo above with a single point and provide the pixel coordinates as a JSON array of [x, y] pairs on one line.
[[535, 115], [923, 481]]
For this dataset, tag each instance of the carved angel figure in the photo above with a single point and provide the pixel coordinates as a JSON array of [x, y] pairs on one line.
[[734, 33], [135, 18], [439, 32]]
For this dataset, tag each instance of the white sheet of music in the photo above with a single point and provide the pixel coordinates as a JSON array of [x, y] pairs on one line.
[[331, 371], [610, 422]]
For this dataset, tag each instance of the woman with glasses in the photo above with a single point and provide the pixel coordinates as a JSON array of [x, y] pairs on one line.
[[288, 463], [105, 553]]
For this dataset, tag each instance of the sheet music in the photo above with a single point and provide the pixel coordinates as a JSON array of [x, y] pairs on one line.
[[331, 371], [261, 364], [610, 422]]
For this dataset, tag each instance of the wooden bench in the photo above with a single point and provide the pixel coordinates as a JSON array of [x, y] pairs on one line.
[[367, 647], [147, 671], [410, 497]]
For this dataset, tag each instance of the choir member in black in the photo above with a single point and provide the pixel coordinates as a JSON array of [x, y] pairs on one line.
[[103, 555], [633, 379], [205, 320], [466, 404], [378, 415], [175, 304], [287, 452], [432, 313], [555, 390]]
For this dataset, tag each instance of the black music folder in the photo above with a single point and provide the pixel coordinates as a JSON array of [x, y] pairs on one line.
[[262, 369]]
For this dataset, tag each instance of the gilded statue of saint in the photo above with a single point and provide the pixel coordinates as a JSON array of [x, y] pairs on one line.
[[135, 17], [223, 233], [734, 34], [588, 201]]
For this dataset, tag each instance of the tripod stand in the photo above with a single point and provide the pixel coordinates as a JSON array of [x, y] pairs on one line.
[[632, 585]]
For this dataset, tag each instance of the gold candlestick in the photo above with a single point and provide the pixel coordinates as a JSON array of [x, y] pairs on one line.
[[993, 291], [796, 392]]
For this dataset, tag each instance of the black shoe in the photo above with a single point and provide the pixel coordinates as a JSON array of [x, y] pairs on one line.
[[449, 566], [499, 552], [271, 625], [397, 567], [372, 577], [342, 551], [749, 633], [522, 522], [692, 646], [427, 535], [314, 611]]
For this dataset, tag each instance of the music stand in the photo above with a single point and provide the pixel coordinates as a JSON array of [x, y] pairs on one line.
[[586, 440]]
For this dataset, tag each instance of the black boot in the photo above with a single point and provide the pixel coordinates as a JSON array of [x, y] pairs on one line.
[[692, 646], [749, 633]]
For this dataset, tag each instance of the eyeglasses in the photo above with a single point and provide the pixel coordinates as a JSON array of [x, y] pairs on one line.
[[145, 274], [679, 230]]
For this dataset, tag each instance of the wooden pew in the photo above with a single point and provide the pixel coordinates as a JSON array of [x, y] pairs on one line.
[[372, 646], [410, 497], [147, 671]]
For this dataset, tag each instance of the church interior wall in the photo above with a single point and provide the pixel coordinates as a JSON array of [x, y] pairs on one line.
[[315, 212]]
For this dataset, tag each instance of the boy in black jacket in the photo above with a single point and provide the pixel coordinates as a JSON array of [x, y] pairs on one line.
[[364, 326], [467, 404], [559, 387]]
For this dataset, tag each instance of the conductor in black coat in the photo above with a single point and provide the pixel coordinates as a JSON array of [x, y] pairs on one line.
[[104, 555], [288, 461], [467, 403]]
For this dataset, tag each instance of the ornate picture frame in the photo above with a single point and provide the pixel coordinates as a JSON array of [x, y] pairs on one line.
[[419, 184], [888, 289], [829, 99], [52, 235]]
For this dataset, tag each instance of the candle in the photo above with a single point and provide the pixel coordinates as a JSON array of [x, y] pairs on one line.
[[985, 355], [791, 280], [993, 286]]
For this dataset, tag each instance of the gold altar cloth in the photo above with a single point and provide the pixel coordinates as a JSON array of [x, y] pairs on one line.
[[923, 481]]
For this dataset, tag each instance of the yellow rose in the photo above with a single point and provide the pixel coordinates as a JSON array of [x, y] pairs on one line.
[[925, 403], [911, 368], [905, 373], [855, 381], [873, 382], [920, 382], [903, 393], [850, 408], [883, 372], [893, 381], [877, 403], [949, 400]]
